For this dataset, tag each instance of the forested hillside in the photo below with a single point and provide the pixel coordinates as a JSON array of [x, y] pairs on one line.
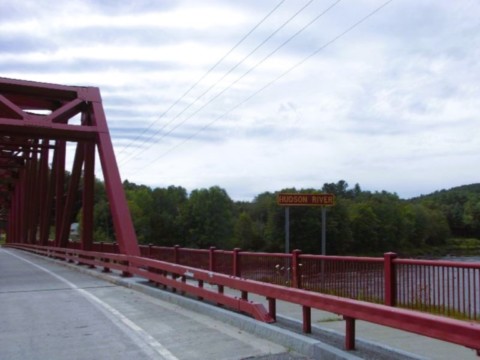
[[461, 207], [361, 222]]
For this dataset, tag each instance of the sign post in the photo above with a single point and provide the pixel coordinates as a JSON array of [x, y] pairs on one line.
[[324, 230], [293, 199], [287, 230]]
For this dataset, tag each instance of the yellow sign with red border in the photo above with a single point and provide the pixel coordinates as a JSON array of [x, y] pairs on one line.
[[291, 199]]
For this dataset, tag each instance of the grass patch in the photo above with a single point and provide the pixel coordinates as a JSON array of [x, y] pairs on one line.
[[439, 310], [330, 319], [464, 244], [453, 247]]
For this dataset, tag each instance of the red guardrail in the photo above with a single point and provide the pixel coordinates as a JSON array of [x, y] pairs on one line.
[[439, 287], [350, 277], [192, 280], [443, 287], [265, 267]]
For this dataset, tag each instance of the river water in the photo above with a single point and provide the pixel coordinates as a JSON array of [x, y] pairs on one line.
[[462, 258], [450, 290]]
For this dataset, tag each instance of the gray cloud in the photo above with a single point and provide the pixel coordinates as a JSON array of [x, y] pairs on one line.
[[391, 105]]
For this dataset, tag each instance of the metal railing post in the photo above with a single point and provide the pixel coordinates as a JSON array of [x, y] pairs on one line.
[[296, 269], [211, 259], [176, 254], [307, 319], [272, 308], [349, 333], [236, 262], [390, 279]]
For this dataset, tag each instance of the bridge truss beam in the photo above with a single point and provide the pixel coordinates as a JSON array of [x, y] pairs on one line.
[[40, 125]]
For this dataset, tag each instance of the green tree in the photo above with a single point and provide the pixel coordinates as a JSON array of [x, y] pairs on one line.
[[268, 218], [165, 215], [360, 222], [460, 207], [207, 218], [438, 229], [416, 224], [246, 235], [471, 215], [140, 203], [339, 233], [365, 227], [102, 217], [102, 222]]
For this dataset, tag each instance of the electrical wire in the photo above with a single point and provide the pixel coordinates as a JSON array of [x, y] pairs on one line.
[[253, 67], [203, 76], [248, 71], [312, 54], [263, 42]]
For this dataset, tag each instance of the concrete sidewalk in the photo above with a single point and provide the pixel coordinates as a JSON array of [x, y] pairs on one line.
[[379, 339], [372, 341]]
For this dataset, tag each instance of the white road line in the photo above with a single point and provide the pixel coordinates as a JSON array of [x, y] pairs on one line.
[[141, 337]]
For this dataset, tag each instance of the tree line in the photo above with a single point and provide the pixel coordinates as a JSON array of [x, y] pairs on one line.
[[361, 222]]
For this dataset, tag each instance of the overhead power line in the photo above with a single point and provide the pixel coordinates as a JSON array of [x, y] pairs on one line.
[[246, 73], [289, 70], [203, 76], [252, 68]]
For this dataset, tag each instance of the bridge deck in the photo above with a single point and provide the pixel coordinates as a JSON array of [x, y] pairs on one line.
[[52, 312]]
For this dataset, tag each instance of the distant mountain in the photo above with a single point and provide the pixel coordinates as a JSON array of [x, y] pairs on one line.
[[461, 207], [458, 190]]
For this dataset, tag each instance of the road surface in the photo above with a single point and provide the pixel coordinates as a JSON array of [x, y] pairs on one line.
[[51, 312]]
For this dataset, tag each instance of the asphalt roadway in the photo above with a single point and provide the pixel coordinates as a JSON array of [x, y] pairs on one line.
[[51, 310]]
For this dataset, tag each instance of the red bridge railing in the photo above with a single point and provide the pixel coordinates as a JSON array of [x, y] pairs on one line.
[[185, 279], [440, 287], [350, 277], [448, 288]]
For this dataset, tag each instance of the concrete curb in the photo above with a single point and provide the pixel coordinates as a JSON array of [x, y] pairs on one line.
[[299, 343], [332, 336], [296, 342]]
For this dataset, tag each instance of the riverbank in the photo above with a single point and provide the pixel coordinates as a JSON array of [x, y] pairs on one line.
[[457, 247]]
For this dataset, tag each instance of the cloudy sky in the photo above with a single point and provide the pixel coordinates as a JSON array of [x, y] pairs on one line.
[[258, 96]]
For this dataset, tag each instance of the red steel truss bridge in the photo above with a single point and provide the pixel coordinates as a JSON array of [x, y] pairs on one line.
[[39, 124]]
